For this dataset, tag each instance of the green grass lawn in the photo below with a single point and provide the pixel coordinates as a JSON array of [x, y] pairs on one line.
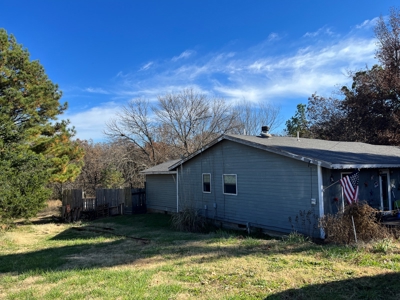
[[105, 261]]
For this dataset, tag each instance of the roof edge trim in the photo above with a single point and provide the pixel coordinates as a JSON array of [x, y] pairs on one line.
[[160, 172], [364, 166]]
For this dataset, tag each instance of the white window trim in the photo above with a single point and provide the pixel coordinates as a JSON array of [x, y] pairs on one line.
[[202, 183], [223, 185], [388, 187]]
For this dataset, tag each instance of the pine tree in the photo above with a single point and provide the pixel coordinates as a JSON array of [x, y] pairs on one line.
[[35, 148], [298, 123]]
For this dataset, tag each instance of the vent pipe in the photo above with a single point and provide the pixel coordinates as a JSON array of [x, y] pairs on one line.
[[298, 136]]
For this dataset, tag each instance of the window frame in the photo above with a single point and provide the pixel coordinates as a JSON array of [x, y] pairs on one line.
[[223, 184], [202, 183]]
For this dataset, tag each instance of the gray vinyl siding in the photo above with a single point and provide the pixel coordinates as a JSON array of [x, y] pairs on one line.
[[270, 188], [161, 192]]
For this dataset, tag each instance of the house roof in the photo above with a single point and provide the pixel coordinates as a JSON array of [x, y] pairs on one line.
[[161, 168], [329, 154]]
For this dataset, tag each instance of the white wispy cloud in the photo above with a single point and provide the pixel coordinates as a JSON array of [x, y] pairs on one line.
[[90, 123], [367, 24], [185, 54], [321, 31], [96, 90], [273, 37], [146, 66], [260, 73]]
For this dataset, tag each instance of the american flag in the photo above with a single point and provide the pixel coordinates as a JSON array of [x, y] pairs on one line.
[[350, 186]]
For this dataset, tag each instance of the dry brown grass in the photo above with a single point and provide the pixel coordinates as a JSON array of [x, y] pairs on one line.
[[52, 209]]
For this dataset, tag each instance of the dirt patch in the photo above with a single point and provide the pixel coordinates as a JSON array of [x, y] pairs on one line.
[[53, 208]]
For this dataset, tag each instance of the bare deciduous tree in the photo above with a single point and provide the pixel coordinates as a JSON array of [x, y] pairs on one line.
[[251, 116], [137, 124], [193, 120], [388, 36], [177, 124]]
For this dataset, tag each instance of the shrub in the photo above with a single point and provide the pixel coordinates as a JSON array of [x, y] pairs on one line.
[[339, 228], [189, 220]]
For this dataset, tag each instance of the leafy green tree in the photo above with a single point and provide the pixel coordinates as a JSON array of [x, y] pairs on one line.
[[35, 148], [298, 123]]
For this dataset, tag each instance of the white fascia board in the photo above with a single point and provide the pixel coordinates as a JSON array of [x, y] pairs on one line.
[[364, 166]]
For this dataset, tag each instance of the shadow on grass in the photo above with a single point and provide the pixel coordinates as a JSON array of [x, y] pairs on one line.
[[41, 221], [386, 286], [47, 259], [120, 240]]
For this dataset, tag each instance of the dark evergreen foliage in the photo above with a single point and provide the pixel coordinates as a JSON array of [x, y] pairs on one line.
[[35, 148]]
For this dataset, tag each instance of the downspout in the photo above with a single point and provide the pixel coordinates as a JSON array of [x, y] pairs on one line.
[[321, 197], [177, 190]]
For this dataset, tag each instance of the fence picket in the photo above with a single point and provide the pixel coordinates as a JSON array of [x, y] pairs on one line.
[[107, 201]]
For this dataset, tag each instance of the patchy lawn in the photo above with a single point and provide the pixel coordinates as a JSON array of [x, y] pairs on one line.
[[141, 257]]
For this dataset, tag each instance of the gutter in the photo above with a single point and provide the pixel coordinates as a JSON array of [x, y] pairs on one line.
[[158, 172], [364, 166]]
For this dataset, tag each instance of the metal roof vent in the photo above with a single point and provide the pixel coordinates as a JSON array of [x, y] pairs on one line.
[[264, 132]]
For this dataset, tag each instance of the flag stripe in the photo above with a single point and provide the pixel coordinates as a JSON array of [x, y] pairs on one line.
[[350, 186]]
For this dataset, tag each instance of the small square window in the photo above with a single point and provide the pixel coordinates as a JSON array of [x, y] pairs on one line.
[[206, 183], [230, 183]]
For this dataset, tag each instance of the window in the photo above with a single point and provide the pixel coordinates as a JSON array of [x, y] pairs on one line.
[[206, 183], [230, 182]]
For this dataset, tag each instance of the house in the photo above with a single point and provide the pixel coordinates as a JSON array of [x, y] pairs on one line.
[[273, 183]]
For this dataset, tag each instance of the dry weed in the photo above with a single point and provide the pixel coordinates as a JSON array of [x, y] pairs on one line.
[[189, 220], [339, 228]]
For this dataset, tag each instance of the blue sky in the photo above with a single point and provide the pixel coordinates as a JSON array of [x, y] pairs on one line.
[[104, 53]]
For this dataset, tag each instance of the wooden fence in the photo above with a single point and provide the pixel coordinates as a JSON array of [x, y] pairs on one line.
[[107, 202], [135, 201], [112, 200], [72, 205]]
